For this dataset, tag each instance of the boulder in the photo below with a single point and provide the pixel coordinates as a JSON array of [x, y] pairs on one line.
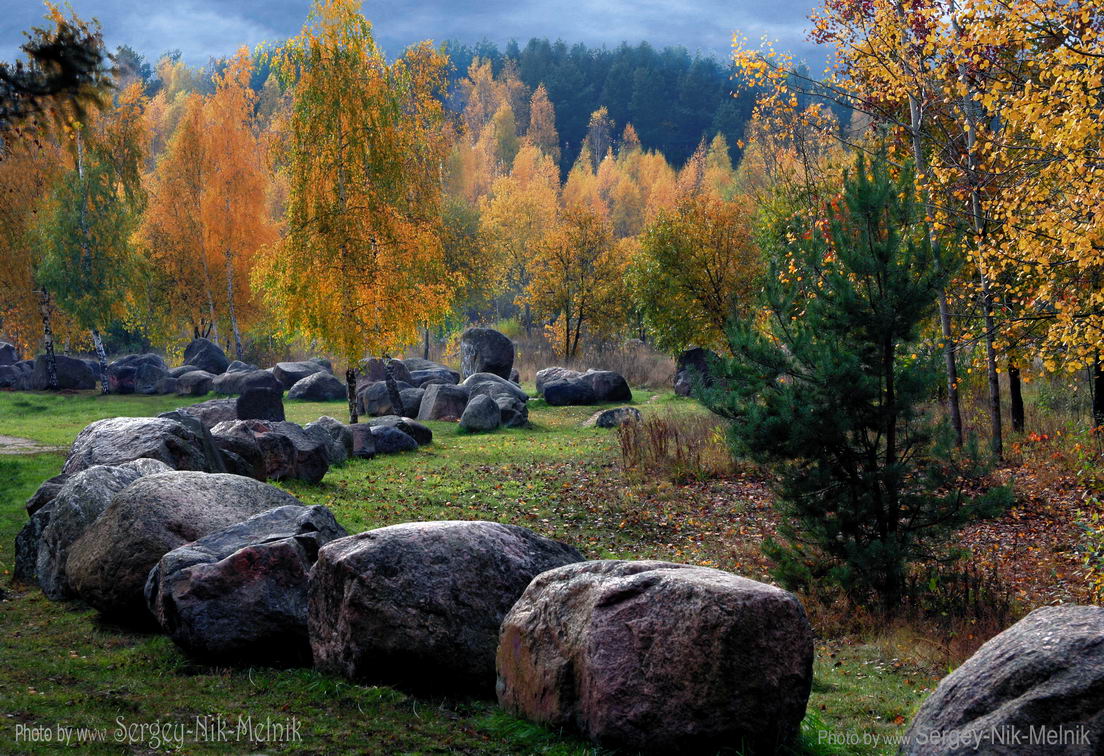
[[319, 387], [693, 367], [241, 381], [656, 657], [364, 441], [412, 401], [108, 565], [422, 378], [374, 399], [9, 355], [338, 432], [167, 385], [412, 428], [27, 540], [195, 383], [260, 404], [607, 385], [10, 377], [121, 439], [612, 418], [211, 412], [419, 605], [176, 372], [573, 392], [290, 373], [375, 369], [513, 403], [215, 459], [46, 493], [443, 402], [206, 355], [1045, 674], [72, 374], [485, 350], [137, 374], [81, 500], [337, 452], [239, 595], [552, 374], [388, 439], [323, 362], [286, 450], [237, 366], [515, 376], [481, 414]]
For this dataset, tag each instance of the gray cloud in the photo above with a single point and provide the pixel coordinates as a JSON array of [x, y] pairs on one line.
[[205, 28]]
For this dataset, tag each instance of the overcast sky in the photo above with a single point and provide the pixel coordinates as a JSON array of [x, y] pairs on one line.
[[205, 28]]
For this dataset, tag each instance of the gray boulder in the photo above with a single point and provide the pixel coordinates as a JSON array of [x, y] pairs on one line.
[[552, 374], [285, 449], [512, 401], [46, 492], [412, 428], [656, 657], [237, 366], [239, 595], [607, 385], [27, 540], [260, 404], [572, 392], [419, 605], [612, 418], [364, 441], [195, 383], [335, 435], [206, 355], [323, 362], [481, 414], [9, 355], [138, 374], [319, 387], [375, 369], [1045, 674], [485, 350], [388, 439], [374, 399], [81, 500], [443, 402], [121, 439], [241, 381], [108, 565], [290, 373], [693, 367], [176, 372], [211, 412], [412, 401], [72, 374]]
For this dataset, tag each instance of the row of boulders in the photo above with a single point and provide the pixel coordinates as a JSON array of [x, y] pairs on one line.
[[563, 387]]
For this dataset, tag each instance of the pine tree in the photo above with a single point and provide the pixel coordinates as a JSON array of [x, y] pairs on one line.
[[834, 396]]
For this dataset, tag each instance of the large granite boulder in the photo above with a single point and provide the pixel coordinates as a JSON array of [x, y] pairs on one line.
[[553, 374], [388, 439], [9, 355], [1043, 675], [241, 381], [206, 355], [116, 440], [694, 368], [285, 450], [364, 441], [419, 605], [485, 350], [239, 595], [412, 428], [323, 362], [319, 387], [16, 376], [260, 404], [374, 398], [211, 412], [512, 402], [176, 372], [411, 401], [108, 565], [46, 492], [137, 374], [656, 657], [613, 418], [375, 369], [72, 374], [27, 540], [423, 371], [481, 414], [568, 393], [443, 402], [195, 383], [290, 373], [337, 431], [237, 366], [607, 385], [80, 501]]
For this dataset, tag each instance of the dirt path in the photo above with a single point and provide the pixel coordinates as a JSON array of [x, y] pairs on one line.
[[16, 445]]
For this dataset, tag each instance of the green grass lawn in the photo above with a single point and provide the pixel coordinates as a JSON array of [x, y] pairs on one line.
[[61, 665]]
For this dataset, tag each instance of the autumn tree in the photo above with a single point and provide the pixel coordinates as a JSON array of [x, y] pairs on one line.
[[542, 132], [698, 267], [361, 266]]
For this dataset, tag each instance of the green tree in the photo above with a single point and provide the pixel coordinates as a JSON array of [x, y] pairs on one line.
[[833, 395]]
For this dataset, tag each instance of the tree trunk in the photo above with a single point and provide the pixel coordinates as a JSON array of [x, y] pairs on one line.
[[1098, 393], [425, 345], [528, 322], [48, 339], [392, 388], [1015, 395], [230, 305], [996, 442], [102, 356], [350, 390]]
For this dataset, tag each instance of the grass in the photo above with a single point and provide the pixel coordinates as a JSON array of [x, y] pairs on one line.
[[62, 665]]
